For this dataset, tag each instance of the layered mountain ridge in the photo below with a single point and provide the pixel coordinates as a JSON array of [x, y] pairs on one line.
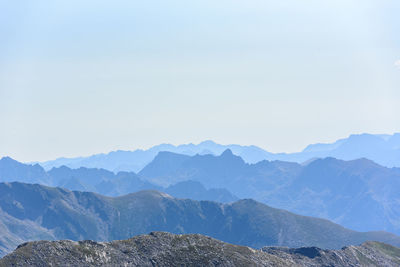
[[358, 194], [383, 149], [35, 212], [104, 182]]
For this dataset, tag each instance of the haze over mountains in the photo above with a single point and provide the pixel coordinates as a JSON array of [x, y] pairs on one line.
[[383, 149], [358, 194], [104, 182], [33, 212], [283, 101]]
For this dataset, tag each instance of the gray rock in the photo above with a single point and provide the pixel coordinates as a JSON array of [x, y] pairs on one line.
[[165, 249]]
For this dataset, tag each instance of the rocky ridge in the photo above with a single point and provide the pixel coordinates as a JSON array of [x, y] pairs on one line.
[[165, 249], [34, 212]]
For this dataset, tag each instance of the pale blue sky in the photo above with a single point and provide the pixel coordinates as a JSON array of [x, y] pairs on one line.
[[83, 77]]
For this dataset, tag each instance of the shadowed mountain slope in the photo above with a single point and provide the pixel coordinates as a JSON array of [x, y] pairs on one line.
[[196, 191], [358, 194], [32, 212]]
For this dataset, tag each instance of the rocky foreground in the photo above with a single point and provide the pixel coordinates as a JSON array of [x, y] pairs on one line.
[[165, 249]]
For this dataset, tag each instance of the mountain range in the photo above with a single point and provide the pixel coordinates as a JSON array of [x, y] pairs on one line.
[[382, 149], [358, 194], [104, 182], [164, 249], [35, 212]]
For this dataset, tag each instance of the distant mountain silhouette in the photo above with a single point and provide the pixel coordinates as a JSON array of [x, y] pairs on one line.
[[12, 170], [32, 212], [135, 160], [358, 194], [383, 149], [104, 182]]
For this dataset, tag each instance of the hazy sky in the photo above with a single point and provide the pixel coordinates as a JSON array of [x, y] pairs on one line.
[[82, 77]]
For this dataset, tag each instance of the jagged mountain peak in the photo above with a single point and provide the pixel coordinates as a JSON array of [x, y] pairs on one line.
[[227, 153]]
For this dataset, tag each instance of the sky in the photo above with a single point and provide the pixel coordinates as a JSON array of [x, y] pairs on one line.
[[85, 77]]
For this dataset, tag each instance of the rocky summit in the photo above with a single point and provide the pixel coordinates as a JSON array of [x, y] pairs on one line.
[[165, 249]]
